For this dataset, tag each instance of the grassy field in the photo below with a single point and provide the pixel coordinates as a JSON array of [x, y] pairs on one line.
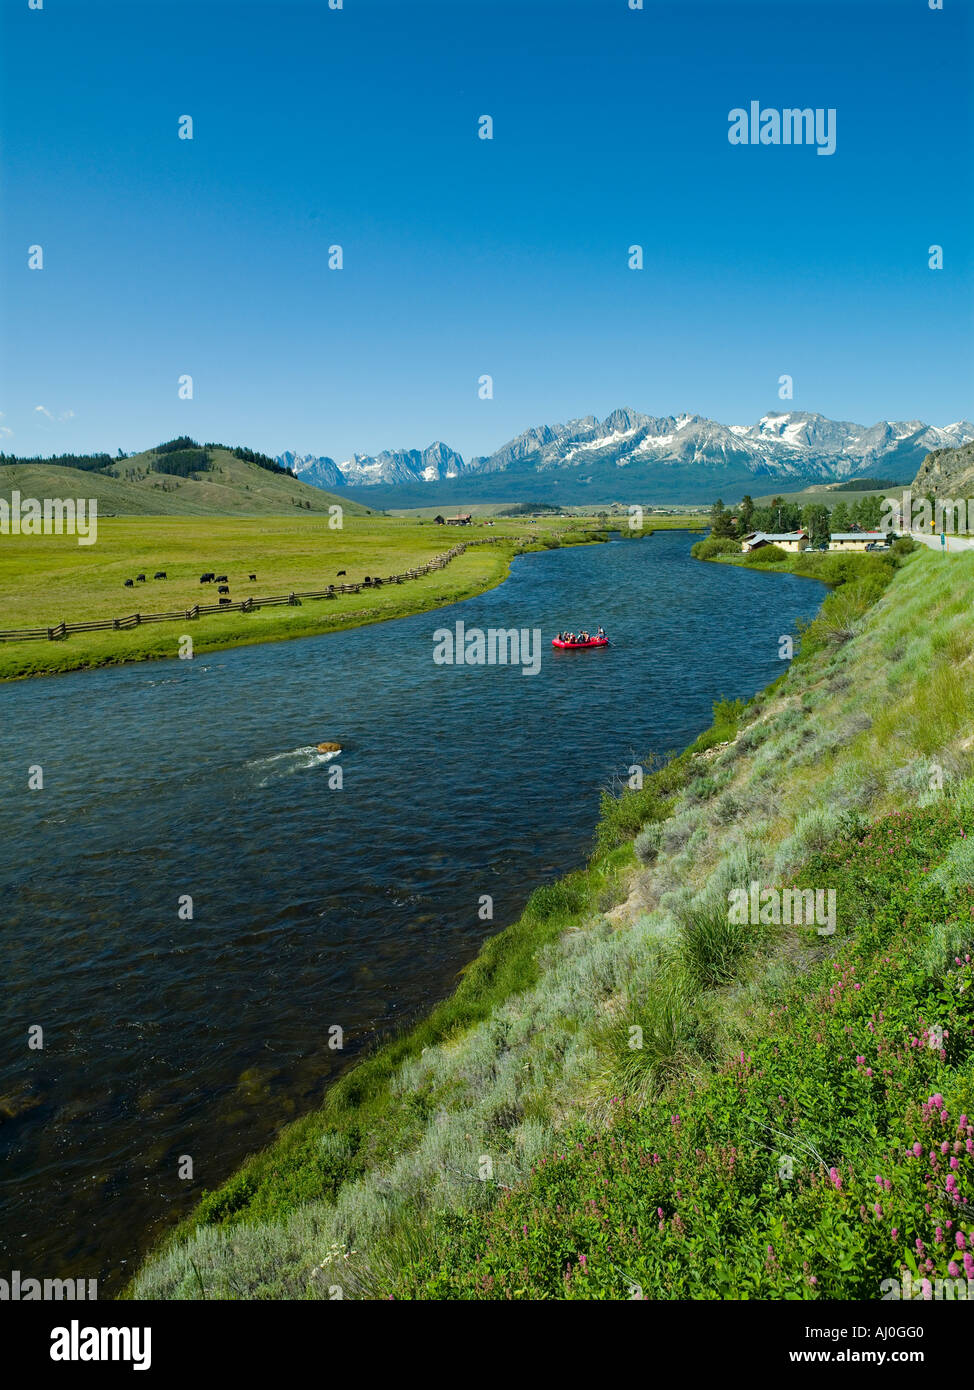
[[46, 580], [660, 1170]]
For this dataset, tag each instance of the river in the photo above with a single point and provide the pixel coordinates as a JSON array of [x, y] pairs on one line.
[[313, 905]]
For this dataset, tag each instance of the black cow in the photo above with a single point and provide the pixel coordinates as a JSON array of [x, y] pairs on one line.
[[340, 573], [367, 580], [160, 574], [254, 577], [221, 579], [223, 589], [129, 583], [206, 578], [223, 601], [140, 578]]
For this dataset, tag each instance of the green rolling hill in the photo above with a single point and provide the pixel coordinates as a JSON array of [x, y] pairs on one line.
[[137, 486]]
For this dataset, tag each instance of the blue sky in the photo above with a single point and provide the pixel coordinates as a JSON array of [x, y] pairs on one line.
[[462, 256]]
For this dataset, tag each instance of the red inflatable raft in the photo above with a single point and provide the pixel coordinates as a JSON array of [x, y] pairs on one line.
[[578, 646]]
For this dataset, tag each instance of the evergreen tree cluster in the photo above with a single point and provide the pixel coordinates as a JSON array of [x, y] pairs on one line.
[[262, 461], [182, 462], [176, 446], [88, 463]]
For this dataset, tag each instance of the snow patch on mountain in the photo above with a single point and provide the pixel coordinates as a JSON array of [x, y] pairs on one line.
[[781, 444]]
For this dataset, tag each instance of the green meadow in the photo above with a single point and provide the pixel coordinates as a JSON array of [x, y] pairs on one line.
[[48, 579], [795, 1118]]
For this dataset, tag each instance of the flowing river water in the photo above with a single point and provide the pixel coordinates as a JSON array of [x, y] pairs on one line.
[[312, 905]]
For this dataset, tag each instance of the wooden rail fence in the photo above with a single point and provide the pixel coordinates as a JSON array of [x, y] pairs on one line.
[[247, 605]]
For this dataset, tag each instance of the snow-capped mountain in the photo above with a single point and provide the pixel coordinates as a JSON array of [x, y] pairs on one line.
[[319, 472], [392, 467], [637, 449]]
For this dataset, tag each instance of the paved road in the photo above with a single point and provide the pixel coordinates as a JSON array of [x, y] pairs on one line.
[[952, 546]]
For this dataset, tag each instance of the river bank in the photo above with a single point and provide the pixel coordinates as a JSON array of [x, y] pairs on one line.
[[418, 1173]]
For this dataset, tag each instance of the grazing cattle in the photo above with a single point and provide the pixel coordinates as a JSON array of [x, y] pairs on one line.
[[221, 578], [129, 583], [253, 577], [140, 578], [206, 578], [160, 574], [223, 589], [340, 573], [223, 601]]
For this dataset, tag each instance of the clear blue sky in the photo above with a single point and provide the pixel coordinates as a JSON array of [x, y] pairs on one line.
[[464, 256]]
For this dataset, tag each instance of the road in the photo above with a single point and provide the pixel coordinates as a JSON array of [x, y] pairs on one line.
[[952, 545]]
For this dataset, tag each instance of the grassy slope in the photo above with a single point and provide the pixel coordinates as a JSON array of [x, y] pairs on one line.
[[46, 579], [383, 1189], [230, 488]]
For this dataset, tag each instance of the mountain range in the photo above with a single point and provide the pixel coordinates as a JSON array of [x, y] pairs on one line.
[[629, 455]]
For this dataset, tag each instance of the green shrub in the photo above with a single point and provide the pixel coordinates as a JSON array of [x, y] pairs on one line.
[[646, 844], [706, 550], [701, 789], [624, 815], [767, 555]]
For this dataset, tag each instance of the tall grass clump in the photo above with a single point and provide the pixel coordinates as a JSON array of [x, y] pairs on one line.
[[655, 1040], [711, 946]]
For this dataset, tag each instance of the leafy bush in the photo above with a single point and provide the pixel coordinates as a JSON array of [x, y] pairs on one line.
[[727, 718], [766, 555], [706, 550], [624, 815]]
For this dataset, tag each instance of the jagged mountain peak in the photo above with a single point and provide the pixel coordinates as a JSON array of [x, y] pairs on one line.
[[629, 444]]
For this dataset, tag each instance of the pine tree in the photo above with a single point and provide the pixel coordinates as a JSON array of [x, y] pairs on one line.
[[721, 525]]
